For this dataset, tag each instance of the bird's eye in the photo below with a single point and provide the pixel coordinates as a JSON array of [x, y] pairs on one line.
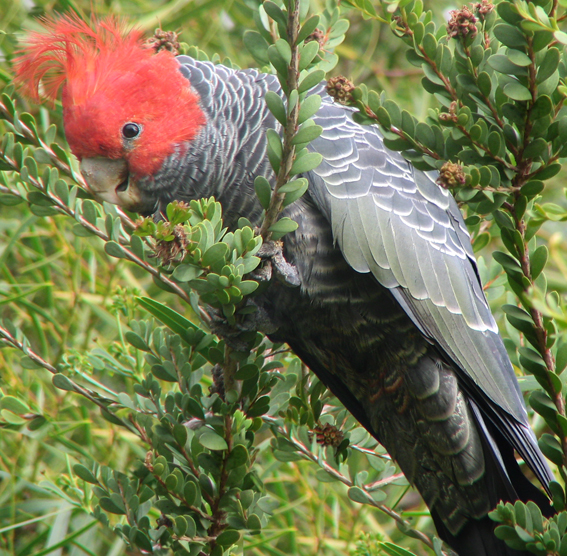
[[131, 130]]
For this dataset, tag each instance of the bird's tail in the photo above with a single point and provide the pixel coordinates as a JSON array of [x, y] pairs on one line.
[[505, 482]]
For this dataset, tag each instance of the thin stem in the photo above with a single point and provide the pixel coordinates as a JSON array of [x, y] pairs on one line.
[[288, 156]]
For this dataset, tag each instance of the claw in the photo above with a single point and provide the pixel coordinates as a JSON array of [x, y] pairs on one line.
[[276, 266]]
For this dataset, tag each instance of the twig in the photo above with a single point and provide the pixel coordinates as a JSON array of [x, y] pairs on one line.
[[288, 156]]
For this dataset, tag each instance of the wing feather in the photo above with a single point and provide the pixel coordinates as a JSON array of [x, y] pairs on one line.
[[394, 221]]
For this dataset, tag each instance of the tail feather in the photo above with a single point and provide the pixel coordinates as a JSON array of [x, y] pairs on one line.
[[505, 482]]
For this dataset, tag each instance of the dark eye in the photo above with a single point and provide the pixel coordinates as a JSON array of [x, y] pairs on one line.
[[131, 130]]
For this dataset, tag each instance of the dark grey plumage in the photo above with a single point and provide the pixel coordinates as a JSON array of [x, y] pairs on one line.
[[390, 313]]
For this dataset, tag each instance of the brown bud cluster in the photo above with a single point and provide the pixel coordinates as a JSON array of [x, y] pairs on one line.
[[318, 36], [328, 435], [340, 88], [450, 116], [483, 8], [451, 175], [164, 40], [462, 24], [169, 251]]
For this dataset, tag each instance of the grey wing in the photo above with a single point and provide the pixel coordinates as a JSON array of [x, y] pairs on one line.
[[394, 221]]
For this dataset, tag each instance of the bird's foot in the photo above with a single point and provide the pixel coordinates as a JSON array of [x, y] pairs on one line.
[[275, 265]]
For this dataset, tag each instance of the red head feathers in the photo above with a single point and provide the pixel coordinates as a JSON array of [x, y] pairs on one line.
[[110, 78]]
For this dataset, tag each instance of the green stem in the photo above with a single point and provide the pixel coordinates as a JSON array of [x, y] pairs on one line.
[[288, 156]]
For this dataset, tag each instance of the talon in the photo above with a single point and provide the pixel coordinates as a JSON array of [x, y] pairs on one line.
[[276, 265]]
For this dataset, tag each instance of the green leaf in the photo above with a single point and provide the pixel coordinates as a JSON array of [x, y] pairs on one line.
[[43, 211], [263, 191], [494, 143], [276, 60], [294, 190], [551, 448], [554, 212], [14, 405], [247, 372], [481, 241], [306, 134], [276, 106], [283, 48], [180, 526], [12, 418], [356, 494], [536, 148], [247, 287], [532, 188], [257, 46], [115, 250], [308, 27], [509, 35], [109, 506], [549, 65], [190, 493], [538, 261], [137, 341], [62, 382], [510, 265], [310, 80], [383, 117], [339, 28], [308, 52], [558, 495], [276, 13], [517, 91], [393, 549], [561, 359], [530, 359], [228, 537], [484, 83], [284, 225], [253, 523], [519, 58], [83, 473], [9, 200], [306, 162], [549, 171], [275, 150], [238, 457], [430, 45], [172, 319], [191, 526], [543, 405], [502, 64], [187, 272], [162, 373], [215, 254], [542, 107], [212, 441], [560, 36], [308, 108]]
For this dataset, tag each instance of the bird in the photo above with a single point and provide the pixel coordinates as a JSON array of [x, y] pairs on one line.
[[388, 310]]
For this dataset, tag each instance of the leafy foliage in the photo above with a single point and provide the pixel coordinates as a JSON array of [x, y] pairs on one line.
[[204, 441]]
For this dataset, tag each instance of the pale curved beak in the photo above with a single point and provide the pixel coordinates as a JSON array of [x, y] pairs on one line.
[[109, 181]]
